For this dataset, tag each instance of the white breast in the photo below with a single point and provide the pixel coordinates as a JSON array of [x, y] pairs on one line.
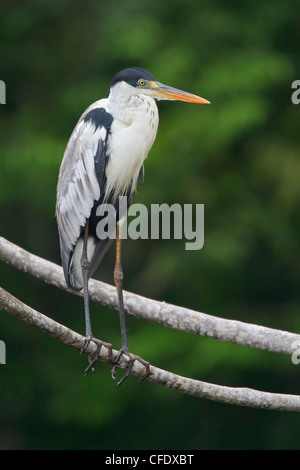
[[132, 136]]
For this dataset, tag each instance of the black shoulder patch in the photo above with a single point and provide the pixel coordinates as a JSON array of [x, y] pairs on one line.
[[100, 118]]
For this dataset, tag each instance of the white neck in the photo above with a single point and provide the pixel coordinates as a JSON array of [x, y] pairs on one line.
[[128, 103], [134, 126]]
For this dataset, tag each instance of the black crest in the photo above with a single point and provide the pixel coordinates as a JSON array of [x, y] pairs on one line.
[[131, 76]]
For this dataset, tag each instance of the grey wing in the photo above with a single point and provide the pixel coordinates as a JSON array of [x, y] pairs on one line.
[[80, 184]]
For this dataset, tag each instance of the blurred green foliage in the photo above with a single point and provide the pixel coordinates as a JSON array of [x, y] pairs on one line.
[[239, 156]]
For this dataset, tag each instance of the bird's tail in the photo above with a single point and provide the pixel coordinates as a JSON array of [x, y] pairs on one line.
[[95, 252]]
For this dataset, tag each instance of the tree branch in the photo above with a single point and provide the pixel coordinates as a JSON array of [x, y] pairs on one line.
[[229, 395], [172, 316]]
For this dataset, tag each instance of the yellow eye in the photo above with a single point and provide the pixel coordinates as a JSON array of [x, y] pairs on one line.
[[142, 82]]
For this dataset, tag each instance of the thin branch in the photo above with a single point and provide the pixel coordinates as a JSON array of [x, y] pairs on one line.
[[172, 316], [229, 395]]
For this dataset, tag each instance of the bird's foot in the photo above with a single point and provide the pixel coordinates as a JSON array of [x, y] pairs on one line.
[[132, 359], [93, 359]]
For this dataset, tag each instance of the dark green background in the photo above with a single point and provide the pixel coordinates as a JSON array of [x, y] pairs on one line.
[[240, 157]]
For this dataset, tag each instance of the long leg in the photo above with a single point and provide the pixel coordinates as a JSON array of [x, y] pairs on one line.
[[118, 278], [85, 268], [88, 327]]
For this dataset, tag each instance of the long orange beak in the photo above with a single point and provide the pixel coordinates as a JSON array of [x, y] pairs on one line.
[[165, 92]]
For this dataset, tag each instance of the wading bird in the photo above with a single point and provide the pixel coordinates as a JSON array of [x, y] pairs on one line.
[[102, 162]]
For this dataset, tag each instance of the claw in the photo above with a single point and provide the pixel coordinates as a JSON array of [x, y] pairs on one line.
[[86, 344], [132, 359], [96, 356]]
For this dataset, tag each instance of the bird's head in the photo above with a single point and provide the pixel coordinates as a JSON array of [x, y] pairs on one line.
[[136, 81]]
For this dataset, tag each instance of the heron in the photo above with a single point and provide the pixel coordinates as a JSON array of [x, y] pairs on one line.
[[103, 162]]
